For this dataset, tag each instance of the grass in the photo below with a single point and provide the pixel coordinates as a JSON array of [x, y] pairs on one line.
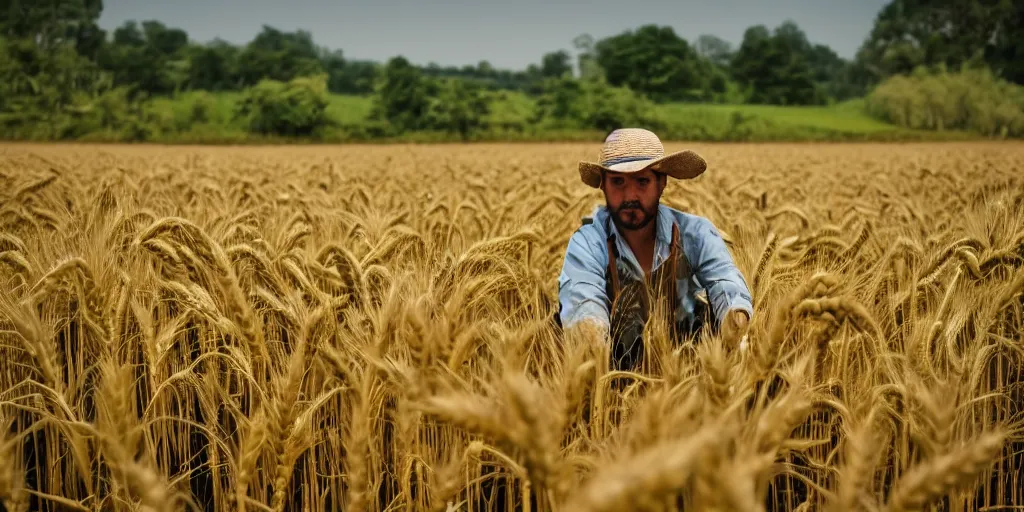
[[349, 109], [847, 116], [511, 112], [840, 122]]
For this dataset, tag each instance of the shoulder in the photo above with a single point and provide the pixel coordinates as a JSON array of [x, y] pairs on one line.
[[691, 225], [696, 231], [591, 234], [590, 238]]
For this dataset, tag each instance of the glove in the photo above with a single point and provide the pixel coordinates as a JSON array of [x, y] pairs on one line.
[[734, 328]]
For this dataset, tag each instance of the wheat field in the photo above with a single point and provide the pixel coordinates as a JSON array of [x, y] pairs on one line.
[[370, 328]]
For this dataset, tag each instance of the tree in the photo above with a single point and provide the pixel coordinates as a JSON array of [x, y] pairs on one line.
[[213, 66], [593, 104], [279, 55], [333, 63], [357, 77], [294, 108], [53, 24], [837, 77], [461, 106], [150, 58], [911, 33], [48, 79], [561, 101], [715, 49], [655, 61], [403, 96], [556, 64], [776, 67], [1006, 54], [163, 40], [43, 92]]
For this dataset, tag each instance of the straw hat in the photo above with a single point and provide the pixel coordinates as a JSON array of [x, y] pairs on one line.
[[636, 149]]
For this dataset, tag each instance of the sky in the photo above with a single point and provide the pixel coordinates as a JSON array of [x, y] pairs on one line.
[[510, 34]]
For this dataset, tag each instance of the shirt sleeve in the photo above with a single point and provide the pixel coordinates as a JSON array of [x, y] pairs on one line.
[[717, 273], [581, 285]]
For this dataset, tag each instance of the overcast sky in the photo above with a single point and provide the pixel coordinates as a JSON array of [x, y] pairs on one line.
[[510, 34]]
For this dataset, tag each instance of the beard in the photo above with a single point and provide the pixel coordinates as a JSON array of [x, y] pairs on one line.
[[632, 215]]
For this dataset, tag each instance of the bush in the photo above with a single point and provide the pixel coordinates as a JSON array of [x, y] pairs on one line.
[[460, 107], [203, 109], [294, 108], [593, 104], [116, 115], [46, 94], [402, 97], [970, 100]]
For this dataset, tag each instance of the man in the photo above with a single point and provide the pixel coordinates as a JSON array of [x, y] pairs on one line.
[[656, 252]]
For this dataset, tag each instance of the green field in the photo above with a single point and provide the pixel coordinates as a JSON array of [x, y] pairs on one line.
[[842, 117], [511, 112]]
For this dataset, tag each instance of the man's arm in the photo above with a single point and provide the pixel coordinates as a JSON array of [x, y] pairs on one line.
[[717, 273], [581, 285]]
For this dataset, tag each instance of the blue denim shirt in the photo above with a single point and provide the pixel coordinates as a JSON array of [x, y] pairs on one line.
[[581, 285]]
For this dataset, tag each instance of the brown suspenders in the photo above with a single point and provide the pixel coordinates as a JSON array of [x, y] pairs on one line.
[[613, 269], [663, 279], [671, 269]]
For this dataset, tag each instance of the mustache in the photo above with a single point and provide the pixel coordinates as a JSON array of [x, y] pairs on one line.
[[630, 205]]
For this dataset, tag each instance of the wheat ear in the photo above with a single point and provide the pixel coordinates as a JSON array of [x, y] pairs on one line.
[[644, 480], [931, 479]]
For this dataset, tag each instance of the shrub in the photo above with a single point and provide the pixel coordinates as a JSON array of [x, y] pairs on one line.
[[294, 108], [461, 107], [402, 96], [203, 108], [972, 100], [593, 104]]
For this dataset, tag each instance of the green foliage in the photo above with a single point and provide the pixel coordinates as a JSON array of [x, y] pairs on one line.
[[510, 118], [594, 104], [406, 100], [61, 77], [912, 33], [403, 96], [42, 92], [556, 64], [52, 24], [656, 62], [353, 77], [460, 107], [491, 78], [840, 122], [294, 108], [148, 60], [776, 67], [279, 56], [212, 67], [119, 116], [203, 109], [717, 50], [971, 99], [1006, 53]]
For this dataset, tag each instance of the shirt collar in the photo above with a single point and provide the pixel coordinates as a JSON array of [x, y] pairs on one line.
[[662, 233], [664, 230]]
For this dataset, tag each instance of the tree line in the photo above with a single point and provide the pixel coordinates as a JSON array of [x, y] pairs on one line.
[[62, 76]]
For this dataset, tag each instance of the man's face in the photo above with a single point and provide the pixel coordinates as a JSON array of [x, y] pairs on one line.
[[633, 198]]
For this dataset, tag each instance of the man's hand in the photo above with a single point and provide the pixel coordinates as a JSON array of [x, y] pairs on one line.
[[734, 327]]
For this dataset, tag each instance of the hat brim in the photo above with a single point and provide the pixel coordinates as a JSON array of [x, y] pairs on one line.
[[683, 165]]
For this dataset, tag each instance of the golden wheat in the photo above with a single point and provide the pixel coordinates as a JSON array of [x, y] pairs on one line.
[[371, 328]]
